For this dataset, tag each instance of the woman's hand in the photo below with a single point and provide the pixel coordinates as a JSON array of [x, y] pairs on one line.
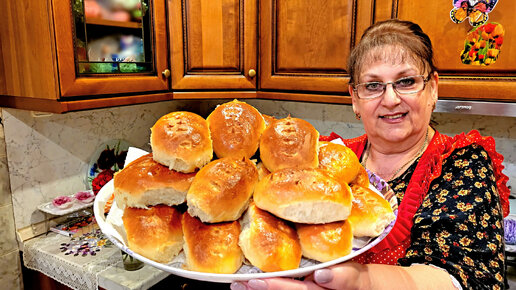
[[275, 284], [348, 275], [351, 275]]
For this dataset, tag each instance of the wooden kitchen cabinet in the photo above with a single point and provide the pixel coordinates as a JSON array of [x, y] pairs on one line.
[[55, 57], [214, 44], [495, 82], [271, 49], [305, 45]]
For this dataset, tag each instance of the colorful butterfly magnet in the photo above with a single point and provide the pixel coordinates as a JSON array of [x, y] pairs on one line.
[[482, 45], [476, 10]]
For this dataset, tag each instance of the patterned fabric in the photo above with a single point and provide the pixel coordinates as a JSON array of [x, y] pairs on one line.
[[459, 226], [422, 235]]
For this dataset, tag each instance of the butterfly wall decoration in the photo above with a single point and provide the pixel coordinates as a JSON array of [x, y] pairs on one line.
[[476, 10]]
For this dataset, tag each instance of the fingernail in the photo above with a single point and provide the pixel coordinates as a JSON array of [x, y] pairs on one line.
[[237, 286], [323, 276], [257, 284]]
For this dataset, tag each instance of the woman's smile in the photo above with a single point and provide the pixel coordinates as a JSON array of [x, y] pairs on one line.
[[396, 117]]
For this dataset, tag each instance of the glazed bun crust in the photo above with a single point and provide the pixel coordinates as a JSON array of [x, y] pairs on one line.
[[262, 171], [339, 161], [268, 120], [181, 141], [221, 190], [304, 196], [145, 182], [236, 128], [211, 248], [154, 233], [268, 242], [362, 178], [370, 213], [289, 143], [325, 242]]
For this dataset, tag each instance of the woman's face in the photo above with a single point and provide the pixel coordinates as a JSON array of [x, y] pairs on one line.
[[393, 117]]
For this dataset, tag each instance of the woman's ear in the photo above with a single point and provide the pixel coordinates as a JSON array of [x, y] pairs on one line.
[[353, 101], [434, 81]]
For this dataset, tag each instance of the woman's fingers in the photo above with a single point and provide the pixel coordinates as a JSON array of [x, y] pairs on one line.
[[342, 276], [275, 284]]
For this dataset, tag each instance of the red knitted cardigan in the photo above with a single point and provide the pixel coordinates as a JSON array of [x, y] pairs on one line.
[[394, 246]]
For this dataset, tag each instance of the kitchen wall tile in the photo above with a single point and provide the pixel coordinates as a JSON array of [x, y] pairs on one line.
[[502, 129], [5, 190], [7, 231], [10, 271]]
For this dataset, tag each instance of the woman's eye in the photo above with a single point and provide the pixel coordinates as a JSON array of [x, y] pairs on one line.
[[373, 86], [406, 82]]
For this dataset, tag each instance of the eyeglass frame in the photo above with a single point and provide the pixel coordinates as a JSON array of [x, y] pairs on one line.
[[393, 84]]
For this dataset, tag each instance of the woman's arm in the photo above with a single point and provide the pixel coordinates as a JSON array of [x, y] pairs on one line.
[[459, 226]]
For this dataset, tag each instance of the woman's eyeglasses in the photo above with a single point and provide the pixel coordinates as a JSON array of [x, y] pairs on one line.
[[404, 86]]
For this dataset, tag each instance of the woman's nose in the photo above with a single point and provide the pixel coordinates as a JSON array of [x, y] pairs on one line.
[[390, 96]]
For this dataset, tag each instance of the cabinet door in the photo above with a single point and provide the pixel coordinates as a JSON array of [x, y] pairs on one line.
[[213, 44], [104, 47], [496, 81], [305, 44]]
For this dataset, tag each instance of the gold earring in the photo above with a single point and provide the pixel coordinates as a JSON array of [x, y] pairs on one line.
[[357, 116]]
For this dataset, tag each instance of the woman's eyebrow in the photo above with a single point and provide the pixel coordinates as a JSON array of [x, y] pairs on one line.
[[403, 73]]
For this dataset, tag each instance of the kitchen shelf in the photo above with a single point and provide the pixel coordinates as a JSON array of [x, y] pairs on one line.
[[105, 22]]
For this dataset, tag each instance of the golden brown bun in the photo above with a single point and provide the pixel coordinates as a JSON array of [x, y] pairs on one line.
[[235, 128], [145, 182], [268, 242], [211, 248], [325, 242], [306, 195], [154, 233], [221, 190], [262, 171], [268, 120], [370, 213], [362, 179], [339, 161], [181, 141], [288, 143]]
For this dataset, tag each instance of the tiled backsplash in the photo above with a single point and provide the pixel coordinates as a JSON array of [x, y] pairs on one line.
[[48, 156]]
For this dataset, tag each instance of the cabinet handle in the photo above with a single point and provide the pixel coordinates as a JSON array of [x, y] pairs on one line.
[[252, 73], [166, 73], [463, 108]]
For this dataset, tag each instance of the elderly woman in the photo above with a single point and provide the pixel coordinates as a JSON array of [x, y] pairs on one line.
[[451, 192]]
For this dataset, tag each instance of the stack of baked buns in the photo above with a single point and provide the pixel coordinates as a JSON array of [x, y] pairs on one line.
[[302, 198]]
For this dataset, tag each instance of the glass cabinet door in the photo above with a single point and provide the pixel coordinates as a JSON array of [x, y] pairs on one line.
[[111, 46], [112, 36]]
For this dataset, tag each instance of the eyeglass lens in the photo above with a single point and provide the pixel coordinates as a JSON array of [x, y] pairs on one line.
[[405, 85]]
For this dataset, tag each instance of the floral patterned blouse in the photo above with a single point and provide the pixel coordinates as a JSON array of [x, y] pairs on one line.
[[459, 226]]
